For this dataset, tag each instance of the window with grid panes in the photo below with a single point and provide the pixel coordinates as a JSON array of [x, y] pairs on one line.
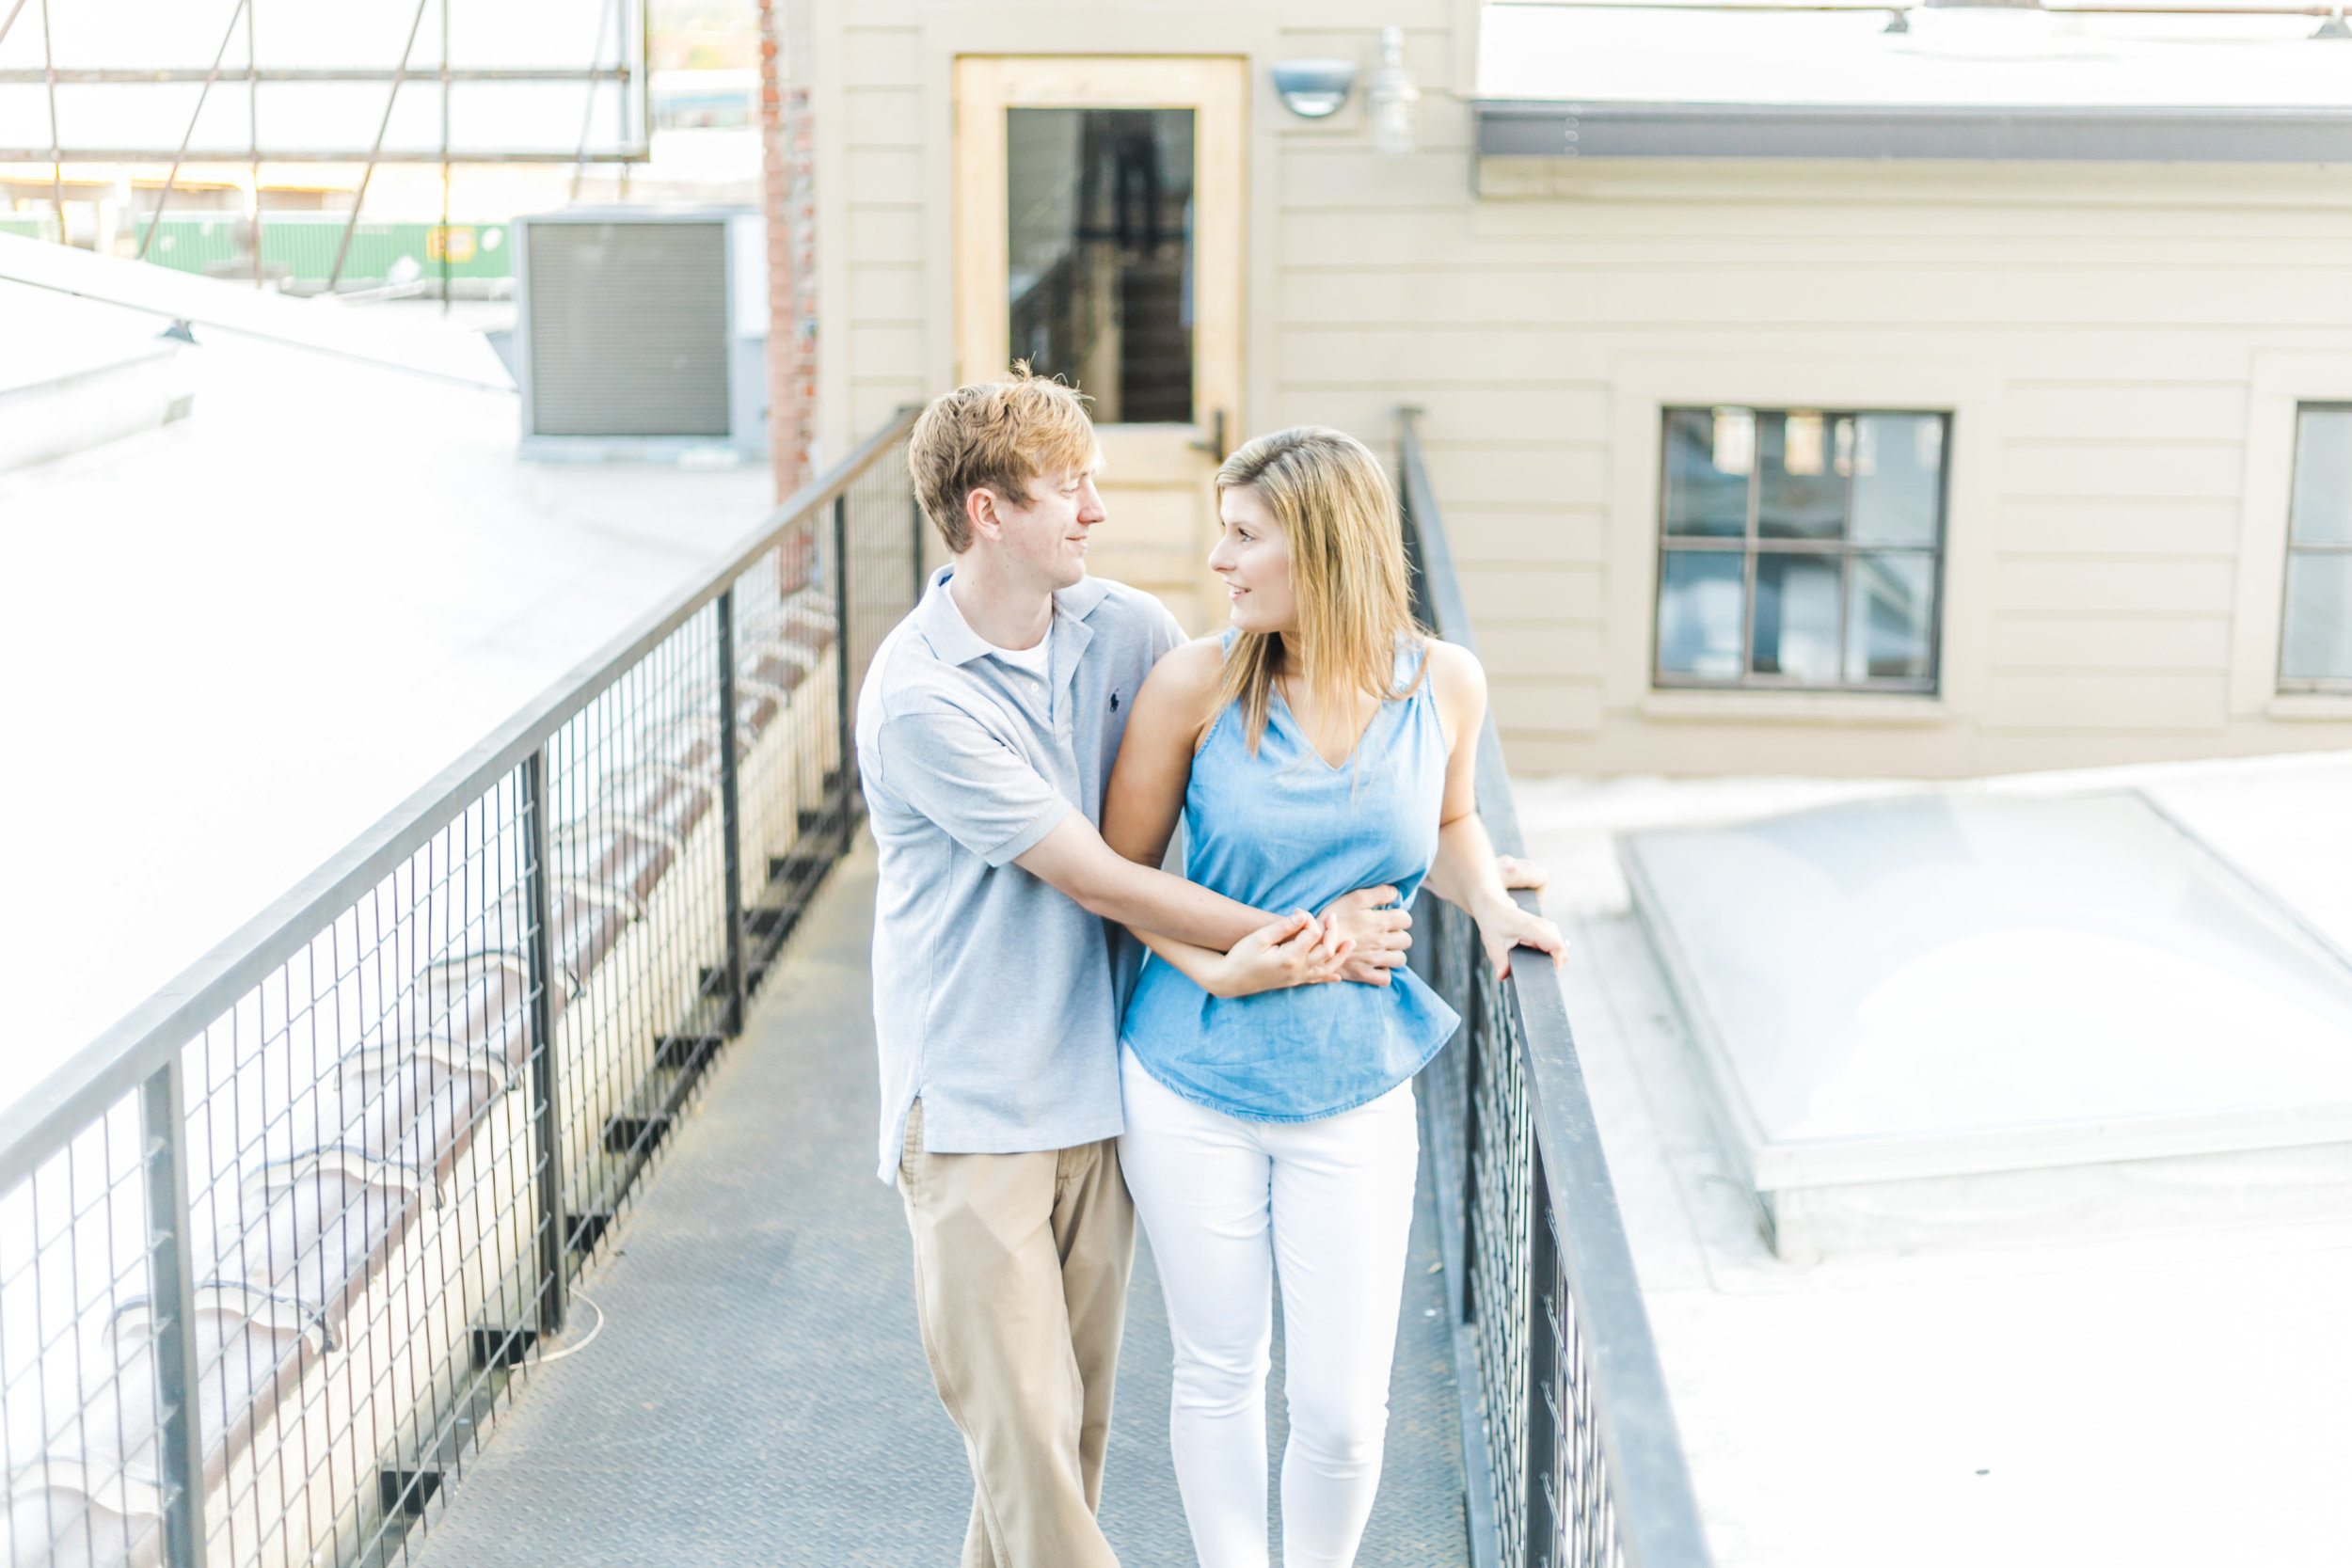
[[2316, 644], [1800, 549]]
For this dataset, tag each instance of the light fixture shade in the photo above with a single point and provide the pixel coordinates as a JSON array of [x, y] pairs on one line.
[[1314, 90]]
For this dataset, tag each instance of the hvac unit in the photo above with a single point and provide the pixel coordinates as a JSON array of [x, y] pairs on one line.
[[641, 333]]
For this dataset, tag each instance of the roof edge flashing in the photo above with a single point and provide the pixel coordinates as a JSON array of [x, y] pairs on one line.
[[1521, 128]]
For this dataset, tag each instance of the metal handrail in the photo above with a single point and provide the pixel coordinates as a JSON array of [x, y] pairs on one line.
[[122, 1056], [248, 1057], [1646, 1480]]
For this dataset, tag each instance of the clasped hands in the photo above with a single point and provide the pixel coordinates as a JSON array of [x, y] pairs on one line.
[[1360, 937]]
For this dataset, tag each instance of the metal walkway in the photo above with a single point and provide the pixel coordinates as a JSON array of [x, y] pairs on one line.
[[757, 1392]]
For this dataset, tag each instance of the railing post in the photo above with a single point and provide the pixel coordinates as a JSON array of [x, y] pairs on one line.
[[841, 666], [914, 553], [547, 1123], [731, 813], [171, 1273]]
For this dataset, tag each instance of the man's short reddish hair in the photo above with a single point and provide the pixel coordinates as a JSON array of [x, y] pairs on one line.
[[994, 436]]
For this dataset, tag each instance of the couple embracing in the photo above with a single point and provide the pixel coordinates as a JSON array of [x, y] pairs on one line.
[[1028, 739]]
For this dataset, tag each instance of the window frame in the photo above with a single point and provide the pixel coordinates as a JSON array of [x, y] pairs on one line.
[[2283, 683], [1751, 544]]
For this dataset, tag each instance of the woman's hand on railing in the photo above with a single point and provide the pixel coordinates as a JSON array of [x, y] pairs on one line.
[[1504, 925], [1518, 872]]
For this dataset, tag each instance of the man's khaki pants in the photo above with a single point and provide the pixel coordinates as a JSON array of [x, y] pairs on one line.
[[1021, 1264]]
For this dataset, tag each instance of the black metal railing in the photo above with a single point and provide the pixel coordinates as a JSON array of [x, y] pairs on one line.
[[1570, 1452], [273, 1248]]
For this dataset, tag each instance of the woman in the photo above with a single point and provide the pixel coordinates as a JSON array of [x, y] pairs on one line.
[[1322, 744]]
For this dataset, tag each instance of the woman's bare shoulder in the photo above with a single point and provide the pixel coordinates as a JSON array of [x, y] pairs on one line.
[[1458, 681], [1190, 670], [1454, 670], [1181, 691]]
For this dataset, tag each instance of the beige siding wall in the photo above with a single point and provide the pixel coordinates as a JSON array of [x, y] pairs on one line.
[[2121, 349]]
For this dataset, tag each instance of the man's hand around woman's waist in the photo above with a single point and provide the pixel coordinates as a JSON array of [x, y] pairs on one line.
[[1380, 930]]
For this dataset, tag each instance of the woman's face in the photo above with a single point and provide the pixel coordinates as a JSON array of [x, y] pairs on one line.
[[1253, 560]]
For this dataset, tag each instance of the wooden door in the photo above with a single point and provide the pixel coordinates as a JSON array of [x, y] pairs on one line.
[[1098, 230]]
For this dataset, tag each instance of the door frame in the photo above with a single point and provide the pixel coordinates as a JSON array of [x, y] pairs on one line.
[[1216, 89]]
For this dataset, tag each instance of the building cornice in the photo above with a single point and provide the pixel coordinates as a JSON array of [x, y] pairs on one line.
[[2155, 133]]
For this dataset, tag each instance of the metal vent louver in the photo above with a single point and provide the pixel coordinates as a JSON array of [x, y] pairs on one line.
[[629, 329]]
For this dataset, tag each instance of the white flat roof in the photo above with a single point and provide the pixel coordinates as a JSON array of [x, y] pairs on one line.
[[128, 293], [235, 641], [1953, 58], [2167, 1400], [53, 336]]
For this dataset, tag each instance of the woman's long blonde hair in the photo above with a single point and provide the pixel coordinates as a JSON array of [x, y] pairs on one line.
[[1334, 505]]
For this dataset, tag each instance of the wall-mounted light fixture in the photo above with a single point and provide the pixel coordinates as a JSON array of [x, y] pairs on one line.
[[1314, 89], [1392, 97]]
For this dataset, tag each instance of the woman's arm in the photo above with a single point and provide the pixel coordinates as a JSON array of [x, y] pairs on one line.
[[1465, 873], [1154, 767], [1297, 950]]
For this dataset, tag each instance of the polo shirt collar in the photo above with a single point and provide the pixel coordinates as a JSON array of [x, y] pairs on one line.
[[952, 638], [1078, 600], [943, 625]]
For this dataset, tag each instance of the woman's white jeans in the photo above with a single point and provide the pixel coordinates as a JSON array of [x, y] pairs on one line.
[[1224, 1200]]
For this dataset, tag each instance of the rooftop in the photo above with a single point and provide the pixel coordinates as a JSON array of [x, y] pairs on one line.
[[2015, 1395], [168, 588], [1633, 53]]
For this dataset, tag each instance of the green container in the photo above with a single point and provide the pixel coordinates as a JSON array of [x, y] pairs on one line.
[[189, 244], [303, 245], [30, 225]]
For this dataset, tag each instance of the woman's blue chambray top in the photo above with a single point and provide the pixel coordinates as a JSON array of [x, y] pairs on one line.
[[1285, 830]]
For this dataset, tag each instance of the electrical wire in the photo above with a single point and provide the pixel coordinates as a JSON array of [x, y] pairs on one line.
[[585, 1342]]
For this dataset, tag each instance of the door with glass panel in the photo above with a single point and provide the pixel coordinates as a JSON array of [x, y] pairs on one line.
[[1098, 237]]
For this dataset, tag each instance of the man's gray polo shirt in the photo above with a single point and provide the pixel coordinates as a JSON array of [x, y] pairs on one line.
[[993, 1000]]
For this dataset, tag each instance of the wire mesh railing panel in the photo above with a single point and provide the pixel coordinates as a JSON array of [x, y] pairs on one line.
[[287, 1286], [259, 1298], [81, 1419], [883, 532], [1570, 1469], [793, 817], [1580, 1517], [1488, 1142], [855, 564], [638, 908]]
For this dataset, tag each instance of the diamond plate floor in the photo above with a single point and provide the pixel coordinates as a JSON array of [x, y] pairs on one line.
[[757, 1394]]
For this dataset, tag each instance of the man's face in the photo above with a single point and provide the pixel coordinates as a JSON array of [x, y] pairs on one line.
[[1047, 532]]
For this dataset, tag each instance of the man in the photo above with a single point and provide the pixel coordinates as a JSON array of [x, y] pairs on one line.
[[986, 731]]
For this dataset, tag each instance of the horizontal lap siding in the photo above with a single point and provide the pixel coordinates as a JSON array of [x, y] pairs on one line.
[[2110, 320], [882, 142], [1380, 296], [2104, 535]]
